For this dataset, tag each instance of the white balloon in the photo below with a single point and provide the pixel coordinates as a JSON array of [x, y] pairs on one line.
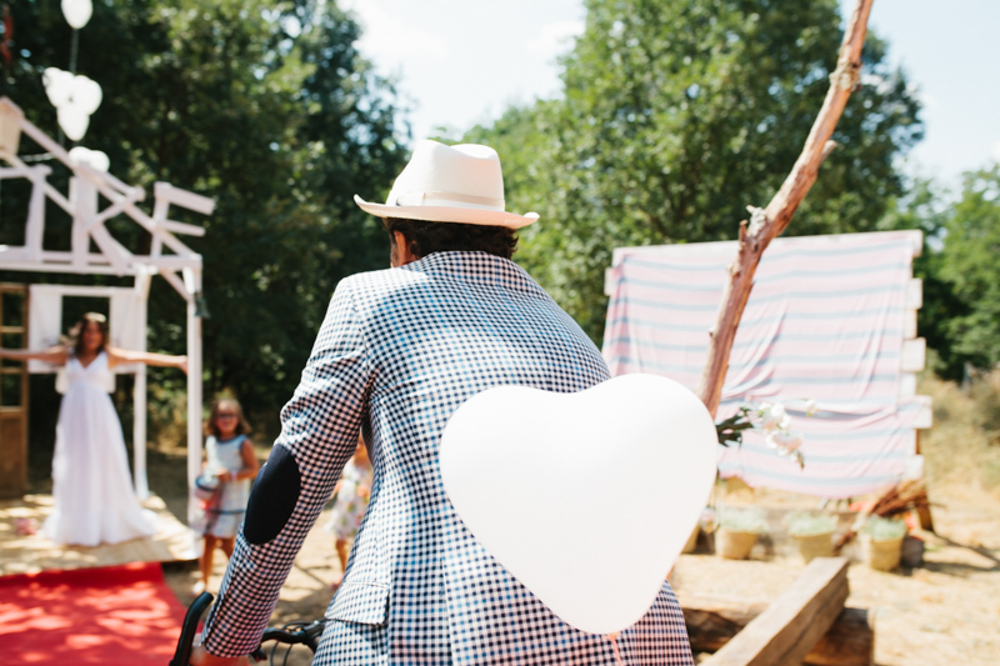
[[63, 88], [58, 85], [77, 12], [73, 122], [87, 94], [95, 159], [586, 498]]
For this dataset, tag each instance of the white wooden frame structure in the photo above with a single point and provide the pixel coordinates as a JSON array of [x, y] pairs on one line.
[[181, 267]]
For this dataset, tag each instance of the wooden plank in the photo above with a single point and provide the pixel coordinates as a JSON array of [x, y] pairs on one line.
[[712, 621], [909, 324], [13, 452], [183, 198], [914, 355], [914, 294], [182, 228], [790, 627], [925, 417], [849, 642], [907, 385]]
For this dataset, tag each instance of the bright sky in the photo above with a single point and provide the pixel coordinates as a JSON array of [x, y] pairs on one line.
[[461, 63]]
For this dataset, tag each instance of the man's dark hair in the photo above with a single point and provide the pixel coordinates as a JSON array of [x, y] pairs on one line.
[[426, 237]]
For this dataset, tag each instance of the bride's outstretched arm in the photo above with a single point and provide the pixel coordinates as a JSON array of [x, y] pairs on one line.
[[121, 356], [57, 355]]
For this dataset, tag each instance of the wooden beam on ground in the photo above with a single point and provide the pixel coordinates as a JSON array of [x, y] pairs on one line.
[[712, 621], [849, 642], [787, 631]]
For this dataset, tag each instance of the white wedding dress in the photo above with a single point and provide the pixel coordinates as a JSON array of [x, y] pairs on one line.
[[94, 499]]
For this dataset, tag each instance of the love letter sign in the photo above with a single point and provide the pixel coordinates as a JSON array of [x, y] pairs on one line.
[[586, 498]]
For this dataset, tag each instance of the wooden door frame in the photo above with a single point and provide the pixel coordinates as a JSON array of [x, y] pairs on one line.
[[14, 475]]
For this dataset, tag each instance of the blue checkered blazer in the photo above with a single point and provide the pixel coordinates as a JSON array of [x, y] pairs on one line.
[[399, 351]]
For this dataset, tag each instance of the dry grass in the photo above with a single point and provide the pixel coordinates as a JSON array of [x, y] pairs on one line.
[[962, 448]]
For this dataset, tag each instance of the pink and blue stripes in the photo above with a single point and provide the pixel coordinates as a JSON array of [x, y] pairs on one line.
[[825, 322]]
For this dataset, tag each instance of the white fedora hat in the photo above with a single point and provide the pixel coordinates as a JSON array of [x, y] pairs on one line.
[[442, 183]]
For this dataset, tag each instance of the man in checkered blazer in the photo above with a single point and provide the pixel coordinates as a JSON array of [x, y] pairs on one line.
[[400, 350]]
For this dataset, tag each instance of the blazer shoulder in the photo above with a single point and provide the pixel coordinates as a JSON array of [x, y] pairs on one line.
[[382, 278], [374, 286]]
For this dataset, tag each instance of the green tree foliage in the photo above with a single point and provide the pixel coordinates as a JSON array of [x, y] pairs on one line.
[[926, 208], [268, 108], [960, 315], [968, 262], [676, 116]]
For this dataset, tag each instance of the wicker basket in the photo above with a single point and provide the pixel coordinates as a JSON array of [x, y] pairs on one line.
[[734, 545], [814, 545], [881, 555]]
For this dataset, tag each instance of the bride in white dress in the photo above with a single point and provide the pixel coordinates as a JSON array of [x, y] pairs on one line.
[[94, 499]]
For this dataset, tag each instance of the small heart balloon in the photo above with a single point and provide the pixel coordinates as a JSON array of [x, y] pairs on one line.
[[72, 121], [87, 94], [95, 159], [77, 12], [58, 86], [586, 498], [75, 97]]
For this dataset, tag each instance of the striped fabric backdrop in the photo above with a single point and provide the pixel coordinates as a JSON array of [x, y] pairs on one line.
[[825, 322]]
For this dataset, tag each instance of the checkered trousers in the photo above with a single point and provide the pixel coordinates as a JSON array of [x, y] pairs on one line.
[[399, 351]]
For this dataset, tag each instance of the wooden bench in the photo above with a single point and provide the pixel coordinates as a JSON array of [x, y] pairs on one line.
[[807, 624]]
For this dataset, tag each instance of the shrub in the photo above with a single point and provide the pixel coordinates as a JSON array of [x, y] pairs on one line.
[[884, 529], [807, 523], [749, 519]]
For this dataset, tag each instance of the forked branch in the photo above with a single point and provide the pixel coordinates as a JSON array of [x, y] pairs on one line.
[[766, 224]]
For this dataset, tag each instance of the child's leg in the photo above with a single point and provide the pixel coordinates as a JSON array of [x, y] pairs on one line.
[[341, 546], [228, 545], [342, 553], [206, 559]]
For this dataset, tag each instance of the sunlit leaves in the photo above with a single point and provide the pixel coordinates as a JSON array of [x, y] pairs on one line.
[[676, 116]]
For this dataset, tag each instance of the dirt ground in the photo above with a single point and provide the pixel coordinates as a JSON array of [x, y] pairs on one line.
[[945, 611]]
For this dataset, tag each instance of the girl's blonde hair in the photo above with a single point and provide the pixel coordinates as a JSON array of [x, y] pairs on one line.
[[242, 426]]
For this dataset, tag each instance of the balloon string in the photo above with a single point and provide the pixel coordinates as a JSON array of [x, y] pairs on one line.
[[613, 637]]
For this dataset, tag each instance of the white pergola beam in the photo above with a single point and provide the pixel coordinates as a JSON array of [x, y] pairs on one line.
[[181, 227], [183, 198], [114, 259], [19, 259], [115, 208], [178, 285]]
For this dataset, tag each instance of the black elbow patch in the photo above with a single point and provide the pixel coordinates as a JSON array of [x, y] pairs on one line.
[[274, 496]]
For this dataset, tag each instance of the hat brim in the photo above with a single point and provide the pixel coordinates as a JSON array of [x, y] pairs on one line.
[[455, 214]]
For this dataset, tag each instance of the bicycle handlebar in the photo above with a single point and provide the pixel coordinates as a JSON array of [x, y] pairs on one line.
[[300, 633], [190, 627], [296, 633]]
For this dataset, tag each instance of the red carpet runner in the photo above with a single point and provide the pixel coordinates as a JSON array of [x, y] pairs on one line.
[[114, 616]]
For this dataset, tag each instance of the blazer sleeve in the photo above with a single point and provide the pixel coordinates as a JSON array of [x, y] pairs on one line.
[[319, 433]]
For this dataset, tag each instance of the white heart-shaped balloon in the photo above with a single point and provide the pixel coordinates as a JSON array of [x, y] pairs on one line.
[[77, 12], [65, 89], [586, 498], [95, 159], [87, 94], [58, 85], [72, 121]]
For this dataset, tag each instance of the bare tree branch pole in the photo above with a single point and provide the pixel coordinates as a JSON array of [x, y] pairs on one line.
[[767, 224]]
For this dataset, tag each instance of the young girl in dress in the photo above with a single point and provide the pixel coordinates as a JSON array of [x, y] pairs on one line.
[[91, 485], [229, 457], [352, 493]]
